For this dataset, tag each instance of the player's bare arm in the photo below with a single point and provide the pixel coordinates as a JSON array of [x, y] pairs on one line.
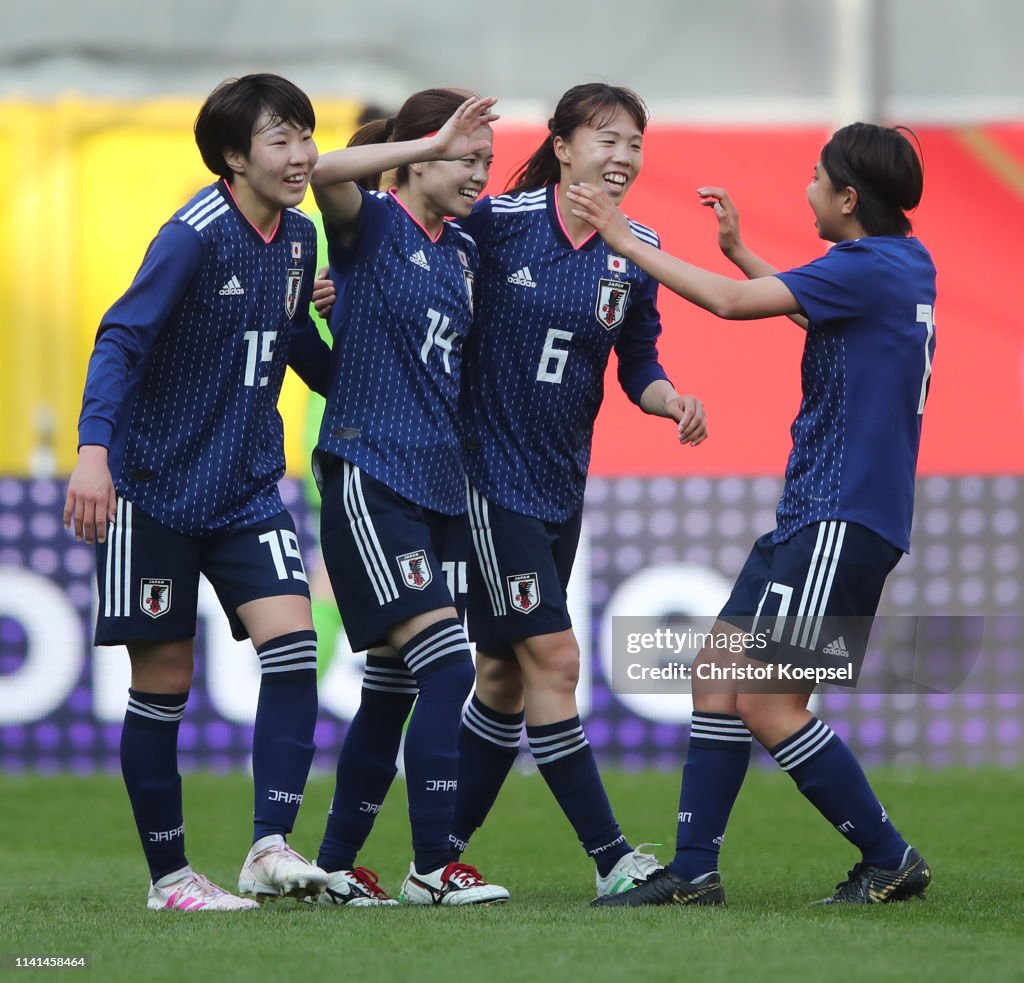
[[730, 240], [334, 176], [727, 298]]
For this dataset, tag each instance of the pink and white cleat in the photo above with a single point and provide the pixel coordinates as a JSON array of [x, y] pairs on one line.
[[185, 890]]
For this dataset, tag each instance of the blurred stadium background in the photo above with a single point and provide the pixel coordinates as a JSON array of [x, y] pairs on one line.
[[98, 100]]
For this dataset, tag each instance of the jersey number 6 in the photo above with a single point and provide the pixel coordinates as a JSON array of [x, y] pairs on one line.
[[552, 358]]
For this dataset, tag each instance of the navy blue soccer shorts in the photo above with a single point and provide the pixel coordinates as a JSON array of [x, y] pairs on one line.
[[811, 600], [148, 574], [388, 558], [518, 574]]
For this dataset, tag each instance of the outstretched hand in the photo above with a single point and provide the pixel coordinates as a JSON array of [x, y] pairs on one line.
[[594, 206], [456, 138], [718, 200]]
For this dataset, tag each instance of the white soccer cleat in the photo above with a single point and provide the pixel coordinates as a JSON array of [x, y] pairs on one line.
[[185, 890], [632, 869], [273, 869], [357, 888], [456, 884]]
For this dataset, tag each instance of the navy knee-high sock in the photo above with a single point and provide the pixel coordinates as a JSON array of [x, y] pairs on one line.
[[716, 764], [488, 747], [282, 744], [828, 774], [149, 764], [440, 659], [566, 760], [367, 763]]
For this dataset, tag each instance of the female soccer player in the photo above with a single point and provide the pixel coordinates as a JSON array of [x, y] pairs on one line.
[[552, 301], [180, 454], [393, 526], [845, 513]]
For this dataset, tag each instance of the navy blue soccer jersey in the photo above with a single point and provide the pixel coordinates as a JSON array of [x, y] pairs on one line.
[[865, 374], [183, 383], [548, 315], [403, 310]]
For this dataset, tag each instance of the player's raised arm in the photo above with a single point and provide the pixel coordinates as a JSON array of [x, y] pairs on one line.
[[337, 171], [730, 241], [721, 295]]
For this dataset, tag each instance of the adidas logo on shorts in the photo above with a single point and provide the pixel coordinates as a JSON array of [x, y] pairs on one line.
[[419, 259], [522, 278], [232, 288], [838, 647]]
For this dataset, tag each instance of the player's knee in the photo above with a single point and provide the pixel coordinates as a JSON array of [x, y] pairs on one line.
[[554, 664], [499, 684]]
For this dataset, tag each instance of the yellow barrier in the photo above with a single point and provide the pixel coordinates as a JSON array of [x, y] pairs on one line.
[[89, 184]]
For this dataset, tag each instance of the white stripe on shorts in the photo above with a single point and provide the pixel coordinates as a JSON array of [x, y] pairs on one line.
[[483, 544], [361, 524]]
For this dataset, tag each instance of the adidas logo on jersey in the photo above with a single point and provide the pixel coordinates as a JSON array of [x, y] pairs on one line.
[[838, 647], [420, 259], [523, 278], [232, 288]]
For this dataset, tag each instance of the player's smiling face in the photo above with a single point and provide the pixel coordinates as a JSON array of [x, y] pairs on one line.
[[450, 187], [830, 207], [607, 153], [278, 165]]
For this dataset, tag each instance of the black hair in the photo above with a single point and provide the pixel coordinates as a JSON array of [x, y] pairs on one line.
[[228, 118], [421, 114], [882, 166], [593, 103]]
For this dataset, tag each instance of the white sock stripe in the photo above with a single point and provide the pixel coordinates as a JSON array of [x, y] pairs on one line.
[[299, 660], [540, 745], [406, 689], [557, 735], [712, 734], [796, 744], [500, 725], [492, 736], [492, 729], [437, 638], [736, 723], [483, 545], [270, 670], [156, 712], [809, 745], [365, 536], [555, 753], [809, 753], [456, 648], [827, 593], [381, 674], [304, 643]]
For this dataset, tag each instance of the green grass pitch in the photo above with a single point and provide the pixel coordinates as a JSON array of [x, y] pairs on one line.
[[73, 882]]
